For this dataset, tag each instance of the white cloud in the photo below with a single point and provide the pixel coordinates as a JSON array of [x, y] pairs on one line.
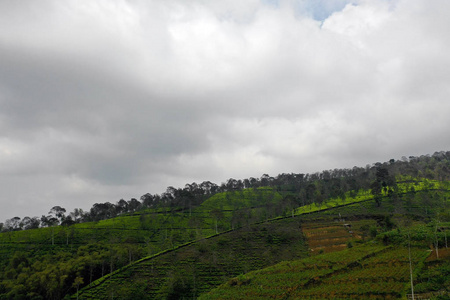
[[105, 100]]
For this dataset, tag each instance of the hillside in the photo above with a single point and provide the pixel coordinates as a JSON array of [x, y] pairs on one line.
[[83, 252], [324, 231], [363, 272], [188, 241], [355, 258], [197, 267]]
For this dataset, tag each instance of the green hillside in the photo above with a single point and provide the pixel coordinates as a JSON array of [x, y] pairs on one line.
[[158, 286], [197, 267], [370, 263], [90, 250], [246, 198], [188, 241], [406, 199], [369, 271], [378, 269]]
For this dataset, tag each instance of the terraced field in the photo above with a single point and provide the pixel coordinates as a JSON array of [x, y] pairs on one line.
[[334, 234], [198, 267], [365, 272], [434, 278]]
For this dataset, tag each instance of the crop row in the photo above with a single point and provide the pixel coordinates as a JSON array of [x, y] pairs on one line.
[[207, 263], [359, 272], [347, 288]]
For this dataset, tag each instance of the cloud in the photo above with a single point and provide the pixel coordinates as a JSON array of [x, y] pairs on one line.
[[105, 100]]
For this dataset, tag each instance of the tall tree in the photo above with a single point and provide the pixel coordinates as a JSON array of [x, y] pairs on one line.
[[13, 224], [57, 212], [133, 205], [30, 223]]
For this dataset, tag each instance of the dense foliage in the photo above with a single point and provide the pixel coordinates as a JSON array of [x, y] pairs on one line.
[[62, 254]]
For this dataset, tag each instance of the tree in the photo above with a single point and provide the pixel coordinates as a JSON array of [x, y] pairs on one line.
[[254, 183], [77, 282], [217, 215], [133, 205], [310, 193], [122, 206], [13, 224], [147, 200], [410, 266], [57, 212], [68, 221], [207, 187], [231, 184], [77, 215], [30, 223], [102, 211], [50, 221], [186, 197], [289, 204], [375, 189], [265, 180]]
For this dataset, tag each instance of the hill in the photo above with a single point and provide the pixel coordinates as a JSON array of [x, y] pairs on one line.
[[371, 271], [324, 230], [189, 241], [46, 262], [189, 270], [375, 270]]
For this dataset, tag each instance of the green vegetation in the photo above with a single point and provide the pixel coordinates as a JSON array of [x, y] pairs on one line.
[[247, 198], [368, 271], [407, 187], [434, 278], [336, 234], [328, 233], [378, 269], [194, 268]]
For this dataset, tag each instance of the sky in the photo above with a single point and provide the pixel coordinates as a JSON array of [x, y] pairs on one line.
[[102, 100]]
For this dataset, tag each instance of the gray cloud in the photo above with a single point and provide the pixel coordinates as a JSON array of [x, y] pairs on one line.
[[112, 99]]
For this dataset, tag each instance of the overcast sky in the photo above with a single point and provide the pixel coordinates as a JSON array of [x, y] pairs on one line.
[[108, 99]]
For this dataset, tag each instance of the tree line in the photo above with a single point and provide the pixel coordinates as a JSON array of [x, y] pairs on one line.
[[308, 188]]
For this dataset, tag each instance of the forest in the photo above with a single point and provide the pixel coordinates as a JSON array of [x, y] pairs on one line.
[[225, 237]]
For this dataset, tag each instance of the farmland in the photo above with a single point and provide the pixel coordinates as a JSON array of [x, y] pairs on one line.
[[294, 237], [323, 232], [369, 271], [197, 267], [335, 234]]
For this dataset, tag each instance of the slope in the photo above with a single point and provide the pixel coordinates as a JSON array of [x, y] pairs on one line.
[[197, 267], [368, 271], [329, 214], [86, 251]]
